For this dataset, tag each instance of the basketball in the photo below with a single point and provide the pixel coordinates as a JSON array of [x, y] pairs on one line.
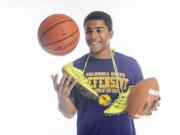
[[58, 34], [143, 97]]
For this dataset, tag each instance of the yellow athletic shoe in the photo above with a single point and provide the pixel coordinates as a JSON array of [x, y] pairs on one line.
[[119, 105], [78, 75]]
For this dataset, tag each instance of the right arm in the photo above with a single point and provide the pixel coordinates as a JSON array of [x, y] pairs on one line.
[[63, 88]]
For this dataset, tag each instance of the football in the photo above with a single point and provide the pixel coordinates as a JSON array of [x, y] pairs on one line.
[[143, 97]]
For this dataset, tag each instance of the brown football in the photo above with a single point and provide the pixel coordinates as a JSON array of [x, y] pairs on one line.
[[142, 98]]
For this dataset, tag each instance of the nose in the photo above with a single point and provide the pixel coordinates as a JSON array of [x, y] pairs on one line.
[[93, 35]]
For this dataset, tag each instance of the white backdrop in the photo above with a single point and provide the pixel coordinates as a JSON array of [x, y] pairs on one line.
[[148, 30]]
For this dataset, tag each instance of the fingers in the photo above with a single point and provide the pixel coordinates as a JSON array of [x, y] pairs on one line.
[[54, 78], [72, 84], [149, 113], [153, 107], [65, 85], [156, 105], [62, 82], [69, 84], [68, 80]]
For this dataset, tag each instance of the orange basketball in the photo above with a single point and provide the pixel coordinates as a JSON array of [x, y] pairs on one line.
[[58, 34]]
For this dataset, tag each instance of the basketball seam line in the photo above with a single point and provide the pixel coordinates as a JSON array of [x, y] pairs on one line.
[[51, 43], [52, 27]]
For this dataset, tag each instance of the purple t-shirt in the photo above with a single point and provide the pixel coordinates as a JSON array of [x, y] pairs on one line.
[[91, 119]]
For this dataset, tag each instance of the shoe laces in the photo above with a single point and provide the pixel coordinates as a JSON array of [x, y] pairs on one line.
[[121, 101]]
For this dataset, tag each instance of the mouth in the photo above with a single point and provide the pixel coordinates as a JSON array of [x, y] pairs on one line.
[[94, 43]]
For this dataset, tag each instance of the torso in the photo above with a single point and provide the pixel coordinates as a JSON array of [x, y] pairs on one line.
[[100, 72]]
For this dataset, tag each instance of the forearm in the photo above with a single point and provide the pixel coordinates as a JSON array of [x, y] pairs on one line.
[[67, 107]]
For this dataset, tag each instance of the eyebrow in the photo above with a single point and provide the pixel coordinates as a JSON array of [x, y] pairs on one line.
[[95, 28]]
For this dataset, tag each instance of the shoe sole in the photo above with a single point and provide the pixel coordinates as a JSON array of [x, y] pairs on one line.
[[84, 89]]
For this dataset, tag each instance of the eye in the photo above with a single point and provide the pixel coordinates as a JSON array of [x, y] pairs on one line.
[[88, 31], [99, 30]]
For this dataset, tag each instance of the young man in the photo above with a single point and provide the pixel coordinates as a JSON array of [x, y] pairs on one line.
[[110, 73]]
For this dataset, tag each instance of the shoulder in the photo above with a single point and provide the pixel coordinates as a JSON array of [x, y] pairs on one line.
[[125, 58], [130, 64], [79, 63]]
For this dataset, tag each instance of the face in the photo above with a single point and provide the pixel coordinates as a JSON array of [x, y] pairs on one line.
[[98, 37]]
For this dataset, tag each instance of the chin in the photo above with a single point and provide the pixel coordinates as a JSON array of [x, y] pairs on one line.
[[94, 51]]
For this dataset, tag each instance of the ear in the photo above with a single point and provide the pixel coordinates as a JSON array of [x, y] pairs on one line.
[[111, 34]]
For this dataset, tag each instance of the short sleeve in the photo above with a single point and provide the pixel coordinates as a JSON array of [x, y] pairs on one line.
[[138, 75]]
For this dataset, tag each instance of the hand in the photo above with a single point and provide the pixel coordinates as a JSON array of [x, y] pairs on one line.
[[154, 107], [64, 86]]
